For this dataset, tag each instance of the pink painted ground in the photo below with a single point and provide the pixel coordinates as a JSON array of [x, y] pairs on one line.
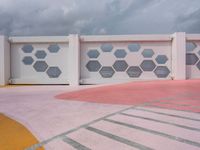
[[185, 94]]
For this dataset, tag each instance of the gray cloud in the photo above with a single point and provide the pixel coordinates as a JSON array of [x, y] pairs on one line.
[[62, 17], [189, 22]]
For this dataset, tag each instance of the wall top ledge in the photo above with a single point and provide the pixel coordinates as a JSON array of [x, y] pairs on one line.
[[39, 39], [125, 38], [100, 38], [192, 37]]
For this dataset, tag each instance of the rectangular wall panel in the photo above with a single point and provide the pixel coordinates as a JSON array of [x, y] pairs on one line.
[[42, 63], [107, 62]]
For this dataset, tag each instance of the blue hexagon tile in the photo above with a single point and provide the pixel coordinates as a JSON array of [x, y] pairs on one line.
[[93, 66], [106, 72]]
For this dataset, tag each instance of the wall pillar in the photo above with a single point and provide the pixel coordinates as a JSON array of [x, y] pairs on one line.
[[74, 59], [179, 56], [4, 60]]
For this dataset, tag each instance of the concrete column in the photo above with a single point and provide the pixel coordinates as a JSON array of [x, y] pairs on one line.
[[4, 60], [179, 56], [74, 59]]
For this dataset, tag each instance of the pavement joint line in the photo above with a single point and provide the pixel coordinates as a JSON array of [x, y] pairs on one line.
[[35, 146], [160, 121], [153, 106], [119, 139], [192, 106], [75, 144], [172, 137], [166, 114]]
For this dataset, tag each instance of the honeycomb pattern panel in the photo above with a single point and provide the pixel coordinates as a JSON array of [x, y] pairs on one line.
[[147, 53], [106, 72], [40, 54], [107, 47], [37, 56], [134, 72], [120, 53], [148, 65], [93, 53], [53, 72], [190, 46], [126, 60], [161, 59], [120, 65], [53, 48], [134, 47], [161, 72], [40, 66], [191, 59], [27, 48], [28, 60], [93, 66]]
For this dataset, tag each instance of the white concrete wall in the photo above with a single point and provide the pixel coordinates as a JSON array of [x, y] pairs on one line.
[[4, 60], [159, 44], [74, 59], [47, 68], [178, 56]]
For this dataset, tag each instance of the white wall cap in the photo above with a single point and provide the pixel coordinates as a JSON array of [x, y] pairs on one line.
[[125, 38], [39, 39], [192, 37]]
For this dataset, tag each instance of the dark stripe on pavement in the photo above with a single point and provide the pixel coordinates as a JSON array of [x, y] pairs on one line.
[[174, 109], [75, 144], [160, 121], [155, 132], [119, 139], [177, 116]]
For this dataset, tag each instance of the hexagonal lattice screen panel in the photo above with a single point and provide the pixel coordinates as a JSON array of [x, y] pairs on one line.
[[190, 46], [93, 53], [53, 72], [120, 65], [161, 59], [107, 72], [27, 48], [161, 72], [147, 53], [134, 71], [147, 65], [120, 53], [125, 60], [27, 60], [40, 54], [134, 47], [54, 48], [40, 66], [191, 59], [106, 47], [93, 66]]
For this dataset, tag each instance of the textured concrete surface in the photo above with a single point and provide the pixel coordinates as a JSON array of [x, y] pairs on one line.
[[37, 109], [147, 115]]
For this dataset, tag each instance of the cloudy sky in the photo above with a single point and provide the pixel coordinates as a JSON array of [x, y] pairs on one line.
[[62, 17]]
